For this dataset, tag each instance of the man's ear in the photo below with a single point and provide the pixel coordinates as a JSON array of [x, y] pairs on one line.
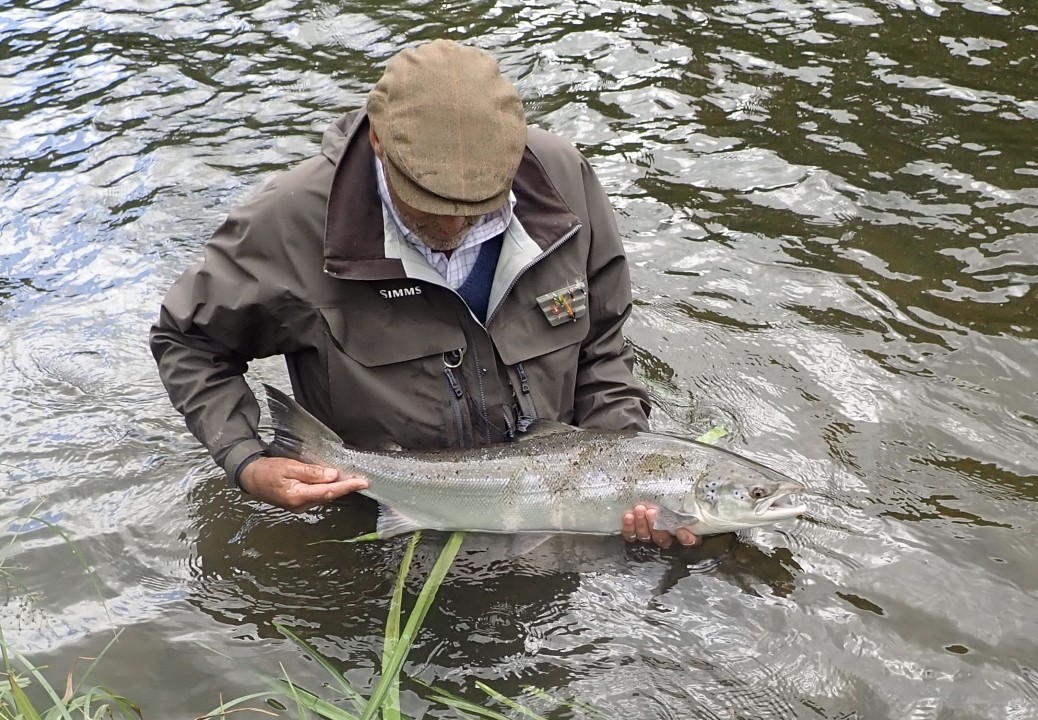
[[373, 139]]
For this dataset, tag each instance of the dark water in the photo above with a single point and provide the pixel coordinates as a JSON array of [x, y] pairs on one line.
[[831, 209]]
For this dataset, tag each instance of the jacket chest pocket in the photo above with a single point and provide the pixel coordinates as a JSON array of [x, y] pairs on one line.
[[386, 375], [548, 355]]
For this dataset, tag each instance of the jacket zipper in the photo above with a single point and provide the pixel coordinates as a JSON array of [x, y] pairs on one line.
[[546, 253], [478, 370], [524, 419], [456, 394]]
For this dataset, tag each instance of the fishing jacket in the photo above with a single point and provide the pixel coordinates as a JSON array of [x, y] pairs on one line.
[[378, 347]]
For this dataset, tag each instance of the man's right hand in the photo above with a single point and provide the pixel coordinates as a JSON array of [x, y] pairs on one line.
[[295, 486]]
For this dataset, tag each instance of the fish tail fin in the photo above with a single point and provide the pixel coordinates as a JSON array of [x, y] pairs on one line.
[[297, 433]]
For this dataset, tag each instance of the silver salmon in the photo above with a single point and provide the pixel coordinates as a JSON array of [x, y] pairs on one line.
[[558, 479]]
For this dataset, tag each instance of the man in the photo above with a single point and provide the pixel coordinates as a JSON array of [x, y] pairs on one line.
[[438, 276]]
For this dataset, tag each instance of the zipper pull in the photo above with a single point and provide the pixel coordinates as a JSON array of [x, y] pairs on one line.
[[453, 381], [522, 378]]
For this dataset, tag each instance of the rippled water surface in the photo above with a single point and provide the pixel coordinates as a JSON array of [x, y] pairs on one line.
[[831, 210]]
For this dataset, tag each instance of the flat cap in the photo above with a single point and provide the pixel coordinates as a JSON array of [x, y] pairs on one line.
[[452, 128]]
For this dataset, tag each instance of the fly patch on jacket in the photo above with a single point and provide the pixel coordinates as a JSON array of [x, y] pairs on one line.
[[565, 304]]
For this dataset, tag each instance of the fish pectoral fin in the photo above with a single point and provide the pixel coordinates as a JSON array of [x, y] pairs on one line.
[[391, 523], [523, 543], [671, 520]]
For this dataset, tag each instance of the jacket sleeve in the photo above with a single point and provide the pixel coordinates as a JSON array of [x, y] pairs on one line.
[[220, 314], [607, 395]]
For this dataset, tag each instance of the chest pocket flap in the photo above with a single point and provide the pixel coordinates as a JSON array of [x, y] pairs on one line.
[[393, 332], [530, 335]]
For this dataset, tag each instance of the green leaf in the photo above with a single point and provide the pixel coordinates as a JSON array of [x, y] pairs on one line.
[[391, 708], [21, 700], [712, 435], [414, 622], [589, 710], [515, 705], [221, 710], [355, 697], [367, 537], [312, 702]]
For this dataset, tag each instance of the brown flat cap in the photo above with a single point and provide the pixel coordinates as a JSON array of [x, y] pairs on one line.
[[452, 128]]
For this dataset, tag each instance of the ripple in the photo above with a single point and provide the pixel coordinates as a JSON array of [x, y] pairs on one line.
[[830, 211]]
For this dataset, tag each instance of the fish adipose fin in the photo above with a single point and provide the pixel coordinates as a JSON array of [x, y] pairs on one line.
[[541, 427], [297, 433], [671, 520], [391, 523]]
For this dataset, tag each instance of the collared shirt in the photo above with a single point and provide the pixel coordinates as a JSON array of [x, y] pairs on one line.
[[456, 268]]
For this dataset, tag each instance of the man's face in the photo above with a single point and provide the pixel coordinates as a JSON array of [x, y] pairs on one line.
[[442, 233]]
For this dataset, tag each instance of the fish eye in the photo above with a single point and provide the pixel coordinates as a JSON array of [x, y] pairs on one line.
[[758, 492]]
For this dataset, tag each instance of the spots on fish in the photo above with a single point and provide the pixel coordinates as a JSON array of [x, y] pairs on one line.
[[708, 489], [657, 465]]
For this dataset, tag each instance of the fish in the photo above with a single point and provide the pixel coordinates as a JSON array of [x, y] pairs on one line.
[[556, 479]]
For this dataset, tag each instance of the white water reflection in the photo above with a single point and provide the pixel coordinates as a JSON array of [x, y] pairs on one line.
[[829, 209]]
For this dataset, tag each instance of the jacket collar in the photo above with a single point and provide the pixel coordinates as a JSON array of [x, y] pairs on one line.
[[354, 242]]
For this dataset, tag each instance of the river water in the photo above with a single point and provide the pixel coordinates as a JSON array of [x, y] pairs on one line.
[[831, 211]]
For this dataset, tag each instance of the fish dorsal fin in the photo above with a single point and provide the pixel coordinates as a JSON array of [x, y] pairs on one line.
[[391, 523], [540, 427]]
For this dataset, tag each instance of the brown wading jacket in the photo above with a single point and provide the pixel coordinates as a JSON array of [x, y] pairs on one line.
[[377, 346]]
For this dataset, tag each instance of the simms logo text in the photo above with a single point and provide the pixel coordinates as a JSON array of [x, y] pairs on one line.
[[401, 292]]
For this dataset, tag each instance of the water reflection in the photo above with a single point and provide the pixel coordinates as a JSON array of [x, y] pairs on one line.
[[831, 211]]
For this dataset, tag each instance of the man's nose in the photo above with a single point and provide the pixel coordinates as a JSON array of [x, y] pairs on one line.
[[450, 225]]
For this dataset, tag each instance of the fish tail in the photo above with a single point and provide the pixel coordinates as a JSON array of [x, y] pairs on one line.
[[297, 433]]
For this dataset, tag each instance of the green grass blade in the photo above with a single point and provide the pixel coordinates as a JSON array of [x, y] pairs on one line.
[[514, 704], [367, 537], [712, 435], [295, 693], [21, 700], [221, 711], [354, 697], [471, 708], [589, 710], [460, 704], [82, 561], [306, 699], [59, 705], [414, 622], [391, 708], [96, 660], [106, 700]]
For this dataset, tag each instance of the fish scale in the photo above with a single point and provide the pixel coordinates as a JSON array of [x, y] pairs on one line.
[[558, 479]]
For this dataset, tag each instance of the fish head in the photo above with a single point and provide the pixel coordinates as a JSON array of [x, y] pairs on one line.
[[741, 494]]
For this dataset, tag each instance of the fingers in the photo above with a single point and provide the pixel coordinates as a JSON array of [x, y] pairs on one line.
[[297, 486], [310, 474], [637, 526], [660, 537], [686, 538], [302, 497], [627, 527]]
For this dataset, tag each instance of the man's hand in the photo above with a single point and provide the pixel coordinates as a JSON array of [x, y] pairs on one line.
[[294, 486], [637, 525]]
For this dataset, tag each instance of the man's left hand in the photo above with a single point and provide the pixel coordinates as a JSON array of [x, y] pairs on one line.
[[637, 527]]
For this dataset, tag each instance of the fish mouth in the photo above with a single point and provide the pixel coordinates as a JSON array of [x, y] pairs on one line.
[[783, 503]]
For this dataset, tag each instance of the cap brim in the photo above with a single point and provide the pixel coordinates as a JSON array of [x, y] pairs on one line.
[[417, 197]]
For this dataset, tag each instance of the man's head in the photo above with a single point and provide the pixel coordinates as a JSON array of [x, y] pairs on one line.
[[449, 129]]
